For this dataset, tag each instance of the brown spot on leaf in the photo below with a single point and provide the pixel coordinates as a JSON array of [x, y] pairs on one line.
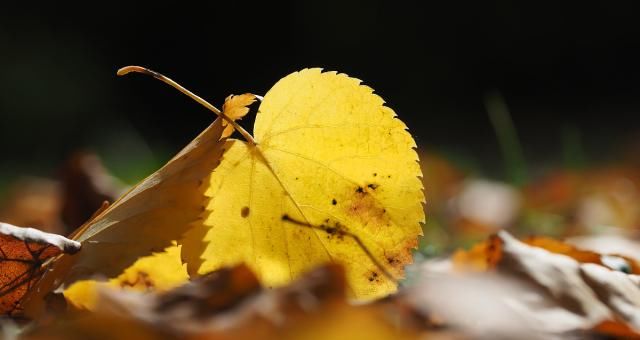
[[142, 280], [244, 212], [364, 207], [372, 186], [334, 202], [400, 257]]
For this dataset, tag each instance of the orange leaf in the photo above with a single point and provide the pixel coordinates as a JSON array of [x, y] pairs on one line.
[[582, 256], [615, 329], [22, 252], [487, 254], [236, 107], [481, 257]]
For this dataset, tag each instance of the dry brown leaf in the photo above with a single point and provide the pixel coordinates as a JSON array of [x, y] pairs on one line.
[[563, 289], [22, 253], [230, 304], [224, 303], [145, 220]]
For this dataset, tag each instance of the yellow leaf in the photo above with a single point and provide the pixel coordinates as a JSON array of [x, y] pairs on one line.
[[160, 271], [330, 156], [236, 107], [145, 220]]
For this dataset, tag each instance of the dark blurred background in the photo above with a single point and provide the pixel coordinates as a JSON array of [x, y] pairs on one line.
[[568, 73]]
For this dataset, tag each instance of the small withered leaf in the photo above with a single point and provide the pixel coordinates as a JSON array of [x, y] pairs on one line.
[[22, 253]]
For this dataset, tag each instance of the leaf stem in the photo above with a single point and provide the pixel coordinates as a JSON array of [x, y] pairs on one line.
[[355, 237], [139, 69]]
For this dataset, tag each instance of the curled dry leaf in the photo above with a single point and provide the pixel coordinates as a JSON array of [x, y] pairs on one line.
[[617, 290], [562, 289], [481, 306], [145, 220], [22, 253], [485, 255], [559, 275], [613, 261], [327, 154], [612, 241], [231, 304]]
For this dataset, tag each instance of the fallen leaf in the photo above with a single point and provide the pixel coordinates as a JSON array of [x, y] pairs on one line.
[[559, 275], [615, 330], [485, 255], [235, 107], [485, 305], [332, 157], [145, 220], [561, 288], [157, 272], [231, 304], [22, 253], [612, 241], [480, 257], [616, 290], [613, 261]]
